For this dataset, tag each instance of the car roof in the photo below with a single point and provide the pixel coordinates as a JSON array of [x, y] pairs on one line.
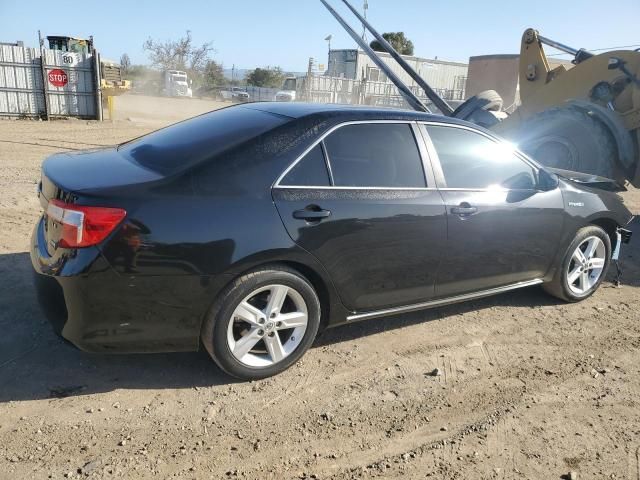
[[300, 109]]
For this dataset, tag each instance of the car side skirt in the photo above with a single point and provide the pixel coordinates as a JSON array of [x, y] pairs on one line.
[[442, 301]]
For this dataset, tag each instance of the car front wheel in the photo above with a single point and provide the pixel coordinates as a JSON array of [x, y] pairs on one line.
[[584, 266], [262, 323]]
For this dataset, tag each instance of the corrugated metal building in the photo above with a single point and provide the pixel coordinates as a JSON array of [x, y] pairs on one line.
[[447, 78]]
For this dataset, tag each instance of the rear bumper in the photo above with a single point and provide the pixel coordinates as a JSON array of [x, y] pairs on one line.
[[51, 300], [99, 310]]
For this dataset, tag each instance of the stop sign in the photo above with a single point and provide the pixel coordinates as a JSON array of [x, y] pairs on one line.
[[58, 77]]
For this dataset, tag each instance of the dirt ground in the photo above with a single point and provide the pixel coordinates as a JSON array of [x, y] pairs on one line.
[[530, 387]]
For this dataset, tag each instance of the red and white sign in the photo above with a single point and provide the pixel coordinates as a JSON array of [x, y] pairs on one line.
[[58, 77]]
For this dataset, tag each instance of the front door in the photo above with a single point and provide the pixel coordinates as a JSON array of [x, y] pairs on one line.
[[500, 228], [359, 201]]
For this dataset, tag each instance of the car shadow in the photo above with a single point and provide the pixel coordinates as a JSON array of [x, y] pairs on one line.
[[529, 297], [36, 364]]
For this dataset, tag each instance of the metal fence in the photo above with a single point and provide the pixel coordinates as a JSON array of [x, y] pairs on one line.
[[48, 83], [261, 94], [325, 89]]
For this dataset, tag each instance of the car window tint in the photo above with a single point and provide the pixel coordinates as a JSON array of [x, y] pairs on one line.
[[310, 171], [375, 155], [471, 160], [199, 139]]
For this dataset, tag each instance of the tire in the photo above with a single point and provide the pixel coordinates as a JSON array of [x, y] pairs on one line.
[[570, 139], [561, 285], [277, 347], [489, 100], [480, 109]]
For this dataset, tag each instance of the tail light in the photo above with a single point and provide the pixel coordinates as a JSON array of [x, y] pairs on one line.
[[83, 226]]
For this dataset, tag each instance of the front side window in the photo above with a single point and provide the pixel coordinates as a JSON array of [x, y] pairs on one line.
[[311, 170], [472, 161], [375, 155]]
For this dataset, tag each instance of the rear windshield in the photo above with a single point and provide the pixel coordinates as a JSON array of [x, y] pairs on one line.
[[199, 139]]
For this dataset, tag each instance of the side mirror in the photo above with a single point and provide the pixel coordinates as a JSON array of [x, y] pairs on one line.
[[547, 181]]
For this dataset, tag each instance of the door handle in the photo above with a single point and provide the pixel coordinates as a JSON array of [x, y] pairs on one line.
[[311, 214], [464, 209]]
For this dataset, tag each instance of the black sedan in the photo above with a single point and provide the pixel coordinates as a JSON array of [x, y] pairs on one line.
[[250, 228]]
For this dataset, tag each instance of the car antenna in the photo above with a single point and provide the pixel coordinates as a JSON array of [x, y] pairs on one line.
[[437, 100], [405, 91]]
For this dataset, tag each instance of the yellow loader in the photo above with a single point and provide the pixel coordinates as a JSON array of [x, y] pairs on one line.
[[586, 118]]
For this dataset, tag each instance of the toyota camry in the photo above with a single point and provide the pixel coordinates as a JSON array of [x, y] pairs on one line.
[[248, 229]]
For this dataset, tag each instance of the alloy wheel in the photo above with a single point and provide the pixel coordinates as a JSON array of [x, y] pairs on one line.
[[267, 325], [586, 265]]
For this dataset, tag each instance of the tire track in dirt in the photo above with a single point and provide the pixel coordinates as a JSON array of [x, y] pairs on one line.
[[499, 425]]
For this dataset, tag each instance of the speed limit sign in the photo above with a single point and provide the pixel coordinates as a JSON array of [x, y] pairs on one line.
[[68, 59]]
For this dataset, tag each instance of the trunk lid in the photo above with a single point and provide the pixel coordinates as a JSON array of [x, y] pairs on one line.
[[92, 170]]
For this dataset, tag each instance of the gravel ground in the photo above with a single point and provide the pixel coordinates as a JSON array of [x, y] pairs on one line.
[[527, 388]]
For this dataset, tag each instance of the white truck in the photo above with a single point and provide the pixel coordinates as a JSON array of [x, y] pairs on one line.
[[234, 94], [288, 91], [176, 84]]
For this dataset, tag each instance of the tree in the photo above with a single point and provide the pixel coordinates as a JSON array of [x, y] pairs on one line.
[[266, 77], [125, 62], [398, 41], [179, 54], [213, 74], [138, 72]]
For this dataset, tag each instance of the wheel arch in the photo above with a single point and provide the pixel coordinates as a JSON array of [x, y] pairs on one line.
[[317, 282], [609, 225], [329, 302]]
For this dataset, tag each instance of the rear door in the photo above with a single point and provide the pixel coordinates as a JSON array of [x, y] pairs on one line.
[[362, 200], [501, 228]]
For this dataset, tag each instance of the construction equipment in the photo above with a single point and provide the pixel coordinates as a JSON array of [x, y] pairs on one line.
[[111, 79], [586, 118]]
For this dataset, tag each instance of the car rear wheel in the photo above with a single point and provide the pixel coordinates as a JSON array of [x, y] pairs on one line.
[[262, 324], [584, 265]]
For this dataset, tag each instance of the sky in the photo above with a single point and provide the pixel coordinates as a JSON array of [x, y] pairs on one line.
[[285, 33]]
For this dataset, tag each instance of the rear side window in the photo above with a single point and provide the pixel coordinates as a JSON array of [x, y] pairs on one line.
[[472, 161], [311, 170], [375, 155], [199, 139]]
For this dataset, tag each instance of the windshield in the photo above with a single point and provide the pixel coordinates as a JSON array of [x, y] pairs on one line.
[[198, 139]]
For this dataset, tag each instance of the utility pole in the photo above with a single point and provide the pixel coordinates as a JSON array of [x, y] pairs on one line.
[[328, 39], [365, 7], [309, 79], [43, 73]]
